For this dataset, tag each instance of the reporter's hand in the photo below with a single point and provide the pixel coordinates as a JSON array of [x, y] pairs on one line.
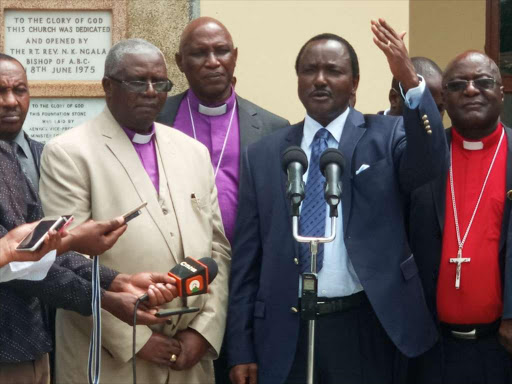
[[95, 237], [122, 304], [159, 349], [193, 347], [392, 45], [13, 238], [160, 287], [244, 374], [505, 334]]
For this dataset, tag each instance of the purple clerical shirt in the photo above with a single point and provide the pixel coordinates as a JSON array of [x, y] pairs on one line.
[[211, 131], [145, 147]]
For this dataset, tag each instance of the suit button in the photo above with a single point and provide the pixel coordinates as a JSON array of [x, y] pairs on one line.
[[165, 211], [296, 261], [294, 309], [509, 195], [424, 117]]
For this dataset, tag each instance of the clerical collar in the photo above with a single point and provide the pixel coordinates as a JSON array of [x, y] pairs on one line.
[[477, 145], [211, 110], [138, 138]]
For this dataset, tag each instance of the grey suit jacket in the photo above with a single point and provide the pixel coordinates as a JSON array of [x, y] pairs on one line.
[[255, 122]]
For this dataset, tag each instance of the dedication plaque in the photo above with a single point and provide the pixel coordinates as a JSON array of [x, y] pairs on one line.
[[59, 45], [49, 117]]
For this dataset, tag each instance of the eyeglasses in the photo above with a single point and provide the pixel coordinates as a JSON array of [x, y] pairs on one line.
[[484, 83], [142, 86]]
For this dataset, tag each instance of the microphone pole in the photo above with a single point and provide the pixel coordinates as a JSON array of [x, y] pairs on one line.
[[332, 165]]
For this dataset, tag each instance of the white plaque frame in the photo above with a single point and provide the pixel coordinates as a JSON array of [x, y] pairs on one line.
[[63, 89]]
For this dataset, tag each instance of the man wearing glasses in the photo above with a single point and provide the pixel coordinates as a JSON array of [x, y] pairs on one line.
[[459, 226], [113, 163]]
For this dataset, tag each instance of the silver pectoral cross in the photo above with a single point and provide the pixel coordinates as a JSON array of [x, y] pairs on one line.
[[459, 260]]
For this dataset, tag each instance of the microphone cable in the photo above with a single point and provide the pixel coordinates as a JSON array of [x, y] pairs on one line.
[[134, 326]]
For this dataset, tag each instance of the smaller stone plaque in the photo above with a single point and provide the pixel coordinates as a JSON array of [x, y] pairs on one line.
[[59, 45], [47, 118]]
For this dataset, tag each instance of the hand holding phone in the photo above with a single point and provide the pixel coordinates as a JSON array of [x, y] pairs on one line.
[[34, 240], [133, 213]]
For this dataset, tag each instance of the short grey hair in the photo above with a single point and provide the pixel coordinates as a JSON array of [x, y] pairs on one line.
[[118, 51]]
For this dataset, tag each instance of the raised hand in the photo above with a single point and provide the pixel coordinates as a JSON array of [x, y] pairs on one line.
[[393, 46]]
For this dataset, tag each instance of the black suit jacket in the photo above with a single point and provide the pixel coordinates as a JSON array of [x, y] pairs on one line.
[[255, 122], [426, 224], [261, 327], [24, 329]]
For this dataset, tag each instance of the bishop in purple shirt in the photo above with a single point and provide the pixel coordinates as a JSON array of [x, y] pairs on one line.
[[211, 111]]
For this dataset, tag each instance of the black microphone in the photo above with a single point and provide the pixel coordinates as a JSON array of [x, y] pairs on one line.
[[295, 163], [332, 165], [192, 276]]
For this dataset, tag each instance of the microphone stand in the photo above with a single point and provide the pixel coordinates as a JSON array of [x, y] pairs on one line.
[[309, 313]]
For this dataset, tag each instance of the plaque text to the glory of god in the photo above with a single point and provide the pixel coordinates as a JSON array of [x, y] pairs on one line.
[[59, 45]]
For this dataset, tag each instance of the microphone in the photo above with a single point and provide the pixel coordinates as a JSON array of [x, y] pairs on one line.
[[192, 276], [332, 165], [295, 163]]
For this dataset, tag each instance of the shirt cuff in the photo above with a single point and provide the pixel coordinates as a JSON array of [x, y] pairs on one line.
[[413, 96]]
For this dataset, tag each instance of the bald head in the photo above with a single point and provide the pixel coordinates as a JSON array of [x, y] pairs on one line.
[[208, 24], [207, 57], [473, 94], [483, 60]]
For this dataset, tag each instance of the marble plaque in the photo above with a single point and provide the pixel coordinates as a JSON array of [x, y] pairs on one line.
[[47, 118], [59, 45]]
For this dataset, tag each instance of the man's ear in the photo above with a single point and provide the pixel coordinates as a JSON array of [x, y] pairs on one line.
[[107, 86], [355, 84], [177, 58]]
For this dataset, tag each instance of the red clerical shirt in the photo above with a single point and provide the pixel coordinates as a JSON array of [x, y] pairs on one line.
[[479, 298]]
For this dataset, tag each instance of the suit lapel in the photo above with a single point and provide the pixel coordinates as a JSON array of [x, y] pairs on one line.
[[438, 189], [169, 159], [506, 211], [122, 148], [172, 108], [249, 128], [352, 133]]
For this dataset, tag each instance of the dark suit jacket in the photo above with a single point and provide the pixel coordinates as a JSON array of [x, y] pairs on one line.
[[426, 224], [261, 327], [255, 122], [24, 329]]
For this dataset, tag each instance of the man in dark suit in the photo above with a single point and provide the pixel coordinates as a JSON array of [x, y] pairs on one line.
[[460, 235], [371, 301]]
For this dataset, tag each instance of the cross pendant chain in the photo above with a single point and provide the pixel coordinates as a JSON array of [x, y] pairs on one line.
[[459, 260]]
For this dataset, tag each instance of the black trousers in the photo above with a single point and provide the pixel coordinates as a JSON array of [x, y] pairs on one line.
[[351, 348], [456, 361]]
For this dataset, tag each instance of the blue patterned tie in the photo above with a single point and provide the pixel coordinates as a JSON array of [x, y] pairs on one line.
[[312, 214]]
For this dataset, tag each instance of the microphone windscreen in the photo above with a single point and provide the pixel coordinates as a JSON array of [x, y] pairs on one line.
[[213, 268], [292, 154], [332, 155]]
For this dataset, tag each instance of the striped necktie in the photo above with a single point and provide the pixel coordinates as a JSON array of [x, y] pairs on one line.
[[312, 215]]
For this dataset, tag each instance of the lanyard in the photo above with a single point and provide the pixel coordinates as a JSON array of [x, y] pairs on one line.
[[225, 139]]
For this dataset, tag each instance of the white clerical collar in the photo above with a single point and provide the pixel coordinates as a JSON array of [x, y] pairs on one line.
[[142, 139], [213, 111], [472, 145]]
